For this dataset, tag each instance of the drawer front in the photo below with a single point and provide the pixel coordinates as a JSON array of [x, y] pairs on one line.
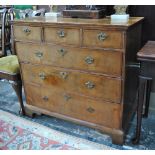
[[107, 62], [83, 108], [27, 33], [62, 35], [87, 84], [103, 39]]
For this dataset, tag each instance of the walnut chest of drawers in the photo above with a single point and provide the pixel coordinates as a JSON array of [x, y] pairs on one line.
[[81, 70]]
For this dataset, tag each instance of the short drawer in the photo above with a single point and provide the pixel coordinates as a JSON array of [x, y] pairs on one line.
[[62, 35], [102, 39], [95, 86], [27, 33], [72, 105], [106, 62]]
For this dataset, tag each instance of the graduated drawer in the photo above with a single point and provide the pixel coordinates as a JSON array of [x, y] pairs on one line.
[[27, 33], [102, 39], [75, 106], [70, 36], [95, 86], [108, 62]]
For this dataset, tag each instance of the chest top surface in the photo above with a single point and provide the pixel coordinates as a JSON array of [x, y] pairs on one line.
[[77, 21]]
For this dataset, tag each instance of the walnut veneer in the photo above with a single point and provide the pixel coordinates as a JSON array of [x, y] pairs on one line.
[[81, 70]]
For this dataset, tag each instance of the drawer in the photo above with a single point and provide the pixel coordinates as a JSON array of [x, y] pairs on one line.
[[103, 39], [27, 33], [62, 35], [91, 85], [72, 105], [107, 62]]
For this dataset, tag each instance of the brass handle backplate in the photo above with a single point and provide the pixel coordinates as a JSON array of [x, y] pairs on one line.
[[62, 52], [39, 54], [63, 75], [45, 98], [89, 84], [102, 36], [89, 60], [67, 97], [42, 76], [90, 109], [61, 33], [26, 30]]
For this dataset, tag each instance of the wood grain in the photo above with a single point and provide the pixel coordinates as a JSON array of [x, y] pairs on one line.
[[34, 33], [113, 39], [69, 36], [76, 107], [105, 88], [106, 62]]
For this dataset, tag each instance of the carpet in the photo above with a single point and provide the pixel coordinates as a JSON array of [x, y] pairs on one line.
[[20, 134]]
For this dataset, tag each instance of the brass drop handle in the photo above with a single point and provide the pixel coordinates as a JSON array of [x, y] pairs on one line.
[[67, 97], [61, 33], [42, 76], [89, 60], [45, 98], [89, 84], [27, 30], [102, 36], [39, 54], [63, 75], [90, 109], [62, 51]]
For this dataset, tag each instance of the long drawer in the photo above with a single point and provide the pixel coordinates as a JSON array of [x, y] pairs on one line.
[[107, 62], [27, 33], [95, 86], [73, 105]]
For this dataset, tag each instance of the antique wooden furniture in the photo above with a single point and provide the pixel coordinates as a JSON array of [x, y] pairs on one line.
[[5, 31], [85, 11], [2, 19], [81, 70], [9, 66], [146, 56]]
